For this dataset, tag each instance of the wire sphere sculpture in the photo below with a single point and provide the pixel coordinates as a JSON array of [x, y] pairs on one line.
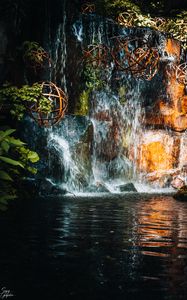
[[88, 8], [125, 19], [160, 23], [136, 57], [59, 102], [37, 59], [181, 73], [97, 55]]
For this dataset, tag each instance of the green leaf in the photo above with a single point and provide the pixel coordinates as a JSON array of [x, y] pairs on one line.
[[33, 157], [7, 197], [15, 142], [5, 146], [11, 161], [5, 133], [32, 170], [5, 176]]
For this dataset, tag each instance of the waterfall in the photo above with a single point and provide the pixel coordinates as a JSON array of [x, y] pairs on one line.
[[58, 51], [103, 150]]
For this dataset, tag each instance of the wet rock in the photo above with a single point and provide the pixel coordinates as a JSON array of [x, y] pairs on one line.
[[183, 152], [46, 187], [128, 187], [172, 47], [178, 182], [181, 194], [98, 187], [165, 115], [162, 182], [170, 112], [161, 179], [157, 151], [82, 152], [106, 119]]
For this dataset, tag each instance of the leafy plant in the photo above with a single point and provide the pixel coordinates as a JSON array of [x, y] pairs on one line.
[[15, 160], [128, 13], [21, 99], [93, 81], [93, 77]]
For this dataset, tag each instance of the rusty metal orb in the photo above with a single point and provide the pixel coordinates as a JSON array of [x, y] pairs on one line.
[[37, 59], [125, 19], [88, 8], [181, 73], [59, 103], [136, 57], [160, 23], [97, 55]]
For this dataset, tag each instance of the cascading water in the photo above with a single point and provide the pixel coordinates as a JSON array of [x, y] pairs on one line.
[[115, 127], [67, 154], [100, 152], [115, 112]]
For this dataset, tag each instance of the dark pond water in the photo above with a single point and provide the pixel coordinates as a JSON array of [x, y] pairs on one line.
[[114, 247]]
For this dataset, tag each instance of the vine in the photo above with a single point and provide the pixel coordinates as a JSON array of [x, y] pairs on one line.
[[21, 98]]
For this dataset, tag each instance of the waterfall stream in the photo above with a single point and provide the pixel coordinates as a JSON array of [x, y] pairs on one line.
[[100, 151]]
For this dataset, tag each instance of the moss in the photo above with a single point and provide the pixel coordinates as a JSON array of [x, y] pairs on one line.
[[82, 107], [93, 78], [122, 95]]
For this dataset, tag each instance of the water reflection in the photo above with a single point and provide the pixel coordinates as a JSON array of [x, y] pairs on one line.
[[123, 247], [162, 224]]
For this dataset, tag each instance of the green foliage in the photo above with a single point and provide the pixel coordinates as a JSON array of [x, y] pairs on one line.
[[93, 81], [133, 16], [93, 77], [114, 7], [15, 160], [122, 94], [177, 27], [82, 107], [20, 99]]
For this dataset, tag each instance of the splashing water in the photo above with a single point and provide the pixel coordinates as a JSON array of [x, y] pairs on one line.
[[61, 146], [115, 114]]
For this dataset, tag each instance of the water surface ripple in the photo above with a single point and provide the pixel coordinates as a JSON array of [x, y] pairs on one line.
[[109, 247]]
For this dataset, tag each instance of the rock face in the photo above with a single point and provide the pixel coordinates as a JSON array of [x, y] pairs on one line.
[[172, 111], [128, 187], [161, 151], [183, 151], [156, 151], [161, 157]]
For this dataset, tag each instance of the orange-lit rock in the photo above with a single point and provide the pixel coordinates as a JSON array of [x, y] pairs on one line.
[[162, 178], [178, 182], [173, 112], [182, 105], [183, 151], [172, 47], [161, 154], [157, 151]]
